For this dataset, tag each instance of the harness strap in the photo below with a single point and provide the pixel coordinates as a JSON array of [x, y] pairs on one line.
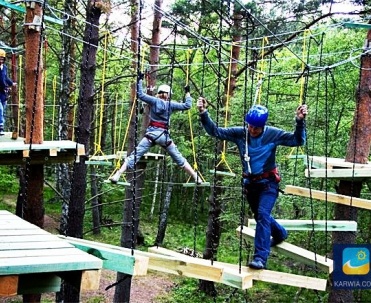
[[158, 124], [265, 175]]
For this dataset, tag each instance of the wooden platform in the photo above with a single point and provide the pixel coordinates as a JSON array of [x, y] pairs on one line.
[[34, 261], [15, 152], [295, 252]]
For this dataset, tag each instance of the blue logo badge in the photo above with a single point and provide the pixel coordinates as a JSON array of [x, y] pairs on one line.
[[352, 266]]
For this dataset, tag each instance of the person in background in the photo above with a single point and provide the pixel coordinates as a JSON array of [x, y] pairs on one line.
[[161, 108], [257, 143], [5, 83]]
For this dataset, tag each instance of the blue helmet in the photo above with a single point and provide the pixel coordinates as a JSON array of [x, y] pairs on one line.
[[257, 116]]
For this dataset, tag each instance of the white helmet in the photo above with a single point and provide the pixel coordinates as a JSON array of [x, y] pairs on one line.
[[164, 88]]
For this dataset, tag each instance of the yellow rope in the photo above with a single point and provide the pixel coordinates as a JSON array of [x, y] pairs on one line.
[[54, 103], [302, 80], [223, 158], [262, 69], [118, 163], [98, 140]]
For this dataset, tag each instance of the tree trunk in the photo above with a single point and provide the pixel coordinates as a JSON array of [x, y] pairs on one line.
[[164, 215], [357, 152], [66, 91], [85, 114], [214, 228], [34, 78]]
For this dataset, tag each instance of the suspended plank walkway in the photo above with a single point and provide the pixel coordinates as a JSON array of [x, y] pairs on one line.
[[295, 252], [112, 256], [15, 152], [34, 261], [257, 275]]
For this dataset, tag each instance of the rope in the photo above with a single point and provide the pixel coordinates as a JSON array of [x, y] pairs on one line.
[[97, 143], [195, 163], [223, 153]]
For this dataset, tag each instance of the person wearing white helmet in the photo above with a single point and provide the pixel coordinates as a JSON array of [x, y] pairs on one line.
[[161, 108], [5, 83], [257, 144]]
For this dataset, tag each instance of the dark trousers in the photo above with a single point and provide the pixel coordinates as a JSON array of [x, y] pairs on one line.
[[261, 197]]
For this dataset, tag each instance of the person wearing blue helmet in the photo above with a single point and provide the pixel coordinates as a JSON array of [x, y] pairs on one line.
[[257, 143]]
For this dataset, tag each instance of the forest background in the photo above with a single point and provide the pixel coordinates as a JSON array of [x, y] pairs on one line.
[[278, 54]]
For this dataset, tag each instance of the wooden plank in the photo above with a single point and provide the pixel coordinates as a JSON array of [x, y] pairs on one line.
[[327, 196], [34, 245], [328, 162], [264, 275], [24, 231], [318, 225], [203, 184], [82, 261], [114, 258], [37, 252], [171, 265], [90, 280], [338, 173], [27, 238], [8, 285], [297, 253], [281, 278], [229, 277], [356, 25]]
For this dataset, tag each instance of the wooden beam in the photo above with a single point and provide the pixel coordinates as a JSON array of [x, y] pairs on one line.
[[318, 225], [260, 275], [295, 252], [8, 285], [230, 276], [328, 162], [338, 173], [327, 196], [114, 258], [357, 25]]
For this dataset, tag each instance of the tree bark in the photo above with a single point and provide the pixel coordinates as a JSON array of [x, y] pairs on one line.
[[164, 215], [357, 151], [34, 78], [85, 113], [214, 227]]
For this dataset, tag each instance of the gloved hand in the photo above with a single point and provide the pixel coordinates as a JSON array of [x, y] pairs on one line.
[[201, 104], [301, 111], [187, 89], [140, 75]]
